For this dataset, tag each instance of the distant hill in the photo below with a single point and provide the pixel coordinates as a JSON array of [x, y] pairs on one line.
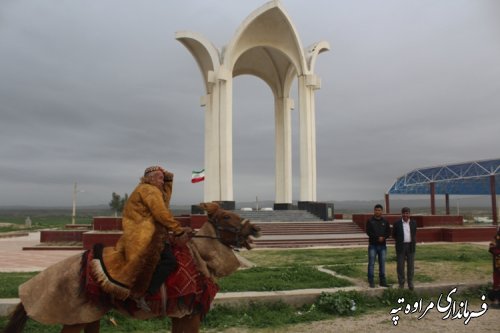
[[421, 204], [96, 210]]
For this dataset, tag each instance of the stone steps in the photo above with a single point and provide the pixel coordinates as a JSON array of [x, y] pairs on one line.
[[278, 216], [313, 242], [297, 228], [307, 234], [291, 243]]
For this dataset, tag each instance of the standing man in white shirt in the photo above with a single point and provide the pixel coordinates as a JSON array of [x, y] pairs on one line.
[[404, 233]]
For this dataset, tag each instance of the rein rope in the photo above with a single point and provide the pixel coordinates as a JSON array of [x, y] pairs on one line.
[[233, 230]]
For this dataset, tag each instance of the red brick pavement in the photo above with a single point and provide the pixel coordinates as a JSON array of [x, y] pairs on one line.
[[14, 259]]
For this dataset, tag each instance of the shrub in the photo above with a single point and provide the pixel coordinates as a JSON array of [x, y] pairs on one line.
[[341, 303]]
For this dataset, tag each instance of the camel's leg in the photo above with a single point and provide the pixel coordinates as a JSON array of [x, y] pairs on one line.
[[77, 328], [92, 327], [194, 324], [186, 324], [176, 325]]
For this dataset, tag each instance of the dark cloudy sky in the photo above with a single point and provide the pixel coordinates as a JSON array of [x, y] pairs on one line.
[[94, 91]]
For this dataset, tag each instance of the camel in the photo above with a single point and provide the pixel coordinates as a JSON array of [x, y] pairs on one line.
[[55, 296]]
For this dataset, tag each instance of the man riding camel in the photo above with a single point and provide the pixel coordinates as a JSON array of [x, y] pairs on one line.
[[142, 257]]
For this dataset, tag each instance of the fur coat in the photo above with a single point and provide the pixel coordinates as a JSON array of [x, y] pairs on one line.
[[146, 222]]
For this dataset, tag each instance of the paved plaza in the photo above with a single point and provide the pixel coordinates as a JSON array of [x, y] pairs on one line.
[[14, 259]]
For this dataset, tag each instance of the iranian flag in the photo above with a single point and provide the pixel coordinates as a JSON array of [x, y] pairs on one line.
[[198, 176]]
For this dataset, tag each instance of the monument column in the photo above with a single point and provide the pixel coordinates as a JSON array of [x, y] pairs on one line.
[[307, 136], [212, 147], [493, 193], [283, 152], [225, 84], [218, 138]]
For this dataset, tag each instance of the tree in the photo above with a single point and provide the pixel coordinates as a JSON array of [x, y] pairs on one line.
[[117, 202], [123, 201]]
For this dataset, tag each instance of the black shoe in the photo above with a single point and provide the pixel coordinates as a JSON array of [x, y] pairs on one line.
[[372, 285], [384, 284], [401, 286], [411, 287]]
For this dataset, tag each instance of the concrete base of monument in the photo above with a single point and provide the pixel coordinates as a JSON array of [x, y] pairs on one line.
[[438, 228], [50, 236], [227, 205], [106, 238], [282, 206], [105, 230], [422, 220], [106, 223], [79, 226]]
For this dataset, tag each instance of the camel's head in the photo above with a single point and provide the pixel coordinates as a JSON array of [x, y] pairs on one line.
[[232, 230]]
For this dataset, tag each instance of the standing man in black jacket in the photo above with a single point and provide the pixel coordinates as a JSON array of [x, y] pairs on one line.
[[404, 233], [378, 230]]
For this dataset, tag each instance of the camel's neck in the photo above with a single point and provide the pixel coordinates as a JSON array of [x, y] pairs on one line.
[[218, 258]]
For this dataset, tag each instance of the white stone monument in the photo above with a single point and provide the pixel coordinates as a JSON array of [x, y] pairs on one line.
[[266, 45]]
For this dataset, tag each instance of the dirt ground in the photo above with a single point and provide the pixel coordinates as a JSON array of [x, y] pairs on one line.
[[381, 322]]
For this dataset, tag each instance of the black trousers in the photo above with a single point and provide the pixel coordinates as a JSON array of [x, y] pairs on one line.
[[166, 265], [409, 257]]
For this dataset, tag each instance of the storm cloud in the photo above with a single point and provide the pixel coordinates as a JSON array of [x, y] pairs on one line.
[[95, 91]]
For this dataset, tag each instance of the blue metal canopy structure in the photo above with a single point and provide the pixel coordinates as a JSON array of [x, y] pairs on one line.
[[470, 178]]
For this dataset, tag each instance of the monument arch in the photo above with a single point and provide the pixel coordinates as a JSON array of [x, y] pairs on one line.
[[265, 45]]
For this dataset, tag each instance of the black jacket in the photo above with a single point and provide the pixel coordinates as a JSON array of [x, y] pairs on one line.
[[399, 236], [377, 228]]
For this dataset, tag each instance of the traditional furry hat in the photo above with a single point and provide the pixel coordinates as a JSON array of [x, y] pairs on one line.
[[153, 168]]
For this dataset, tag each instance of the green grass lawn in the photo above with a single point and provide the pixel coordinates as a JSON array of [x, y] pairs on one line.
[[9, 282], [283, 278], [254, 279], [433, 263], [359, 255], [40, 222]]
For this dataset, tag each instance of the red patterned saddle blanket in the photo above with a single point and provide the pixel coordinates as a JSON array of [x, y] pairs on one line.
[[186, 286]]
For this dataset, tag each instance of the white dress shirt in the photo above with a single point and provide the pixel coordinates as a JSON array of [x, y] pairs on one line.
[[406, 230]]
